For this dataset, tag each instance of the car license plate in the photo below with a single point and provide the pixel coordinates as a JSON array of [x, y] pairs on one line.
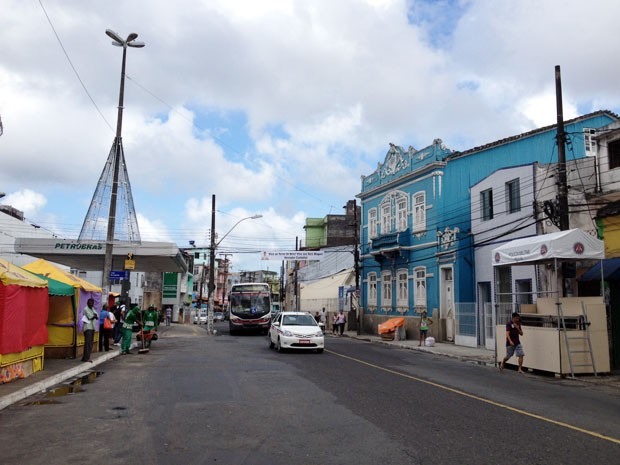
[[304, 341]]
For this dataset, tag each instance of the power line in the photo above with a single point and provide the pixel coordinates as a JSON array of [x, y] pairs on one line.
[[73, 67]]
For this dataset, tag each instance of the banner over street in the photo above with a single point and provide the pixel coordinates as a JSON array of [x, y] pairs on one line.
[[293, 255]]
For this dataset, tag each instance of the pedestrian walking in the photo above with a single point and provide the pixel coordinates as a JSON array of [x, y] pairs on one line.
[[168, 315], [423, 325], [513, 343], [341, 320], [131, 317], [88, 320]]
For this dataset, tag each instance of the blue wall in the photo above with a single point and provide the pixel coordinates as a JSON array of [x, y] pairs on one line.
[[411, 171]]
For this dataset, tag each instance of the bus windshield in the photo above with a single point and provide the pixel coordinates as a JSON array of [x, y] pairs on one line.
[[249, 304]]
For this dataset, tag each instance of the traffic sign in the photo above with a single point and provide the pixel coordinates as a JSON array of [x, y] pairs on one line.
[[119, 274]]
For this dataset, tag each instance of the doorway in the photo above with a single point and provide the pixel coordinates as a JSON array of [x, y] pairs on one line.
[[446, 299]]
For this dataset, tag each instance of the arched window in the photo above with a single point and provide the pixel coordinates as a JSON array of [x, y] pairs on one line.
[[394, 212]]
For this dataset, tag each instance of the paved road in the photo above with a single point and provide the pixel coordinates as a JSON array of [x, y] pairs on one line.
[[230, 400]]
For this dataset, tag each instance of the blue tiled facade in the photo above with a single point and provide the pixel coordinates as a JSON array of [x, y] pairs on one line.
[[416, 241]]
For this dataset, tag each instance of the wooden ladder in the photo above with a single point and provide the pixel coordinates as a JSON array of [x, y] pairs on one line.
[[585, 326]]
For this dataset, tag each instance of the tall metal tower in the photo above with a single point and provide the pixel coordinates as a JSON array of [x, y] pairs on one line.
[[113, 180], [95, 226]]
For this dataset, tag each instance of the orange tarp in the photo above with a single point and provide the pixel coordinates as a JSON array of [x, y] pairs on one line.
[[391, 325]]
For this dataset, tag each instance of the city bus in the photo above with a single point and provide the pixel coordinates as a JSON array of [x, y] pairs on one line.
[[249, 307]]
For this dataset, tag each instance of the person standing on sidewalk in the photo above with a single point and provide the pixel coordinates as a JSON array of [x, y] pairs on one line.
[[119, 312], [103, 314], [89, 318], [106, 330], [423, 324], [168, 315], [131, 317], [513, 343]]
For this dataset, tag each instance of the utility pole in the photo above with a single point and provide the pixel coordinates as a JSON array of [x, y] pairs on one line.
[[356, 258], [282, 291], [296, 306], [561, 138], [201, 281], [211, 269], [225, 255], [567, 269]]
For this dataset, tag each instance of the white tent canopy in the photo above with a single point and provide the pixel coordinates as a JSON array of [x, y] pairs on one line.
[[573, 244]]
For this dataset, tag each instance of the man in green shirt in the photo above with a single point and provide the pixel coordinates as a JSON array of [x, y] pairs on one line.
[[151, 322], [131, 317]]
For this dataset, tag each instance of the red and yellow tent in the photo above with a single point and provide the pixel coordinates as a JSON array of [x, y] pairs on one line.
[[24, 304]]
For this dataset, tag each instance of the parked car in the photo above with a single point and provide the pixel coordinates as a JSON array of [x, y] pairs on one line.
[[201, 317], [296, 330]]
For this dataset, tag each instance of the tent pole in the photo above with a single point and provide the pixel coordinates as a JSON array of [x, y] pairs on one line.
[[602, 287], [558, 282]]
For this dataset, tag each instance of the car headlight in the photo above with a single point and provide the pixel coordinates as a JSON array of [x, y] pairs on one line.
[[287, 333], [319, 334]]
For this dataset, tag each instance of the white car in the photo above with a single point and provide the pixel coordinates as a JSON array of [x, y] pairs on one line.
[[201, 318], [296, 330]]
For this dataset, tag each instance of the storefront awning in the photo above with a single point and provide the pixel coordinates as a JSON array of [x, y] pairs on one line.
[[611, 271], [573, 244]]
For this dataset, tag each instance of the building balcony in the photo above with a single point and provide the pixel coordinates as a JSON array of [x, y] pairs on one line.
[[390, 242]]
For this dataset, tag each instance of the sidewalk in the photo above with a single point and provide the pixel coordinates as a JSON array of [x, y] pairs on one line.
[[56, 371], [467, 354]]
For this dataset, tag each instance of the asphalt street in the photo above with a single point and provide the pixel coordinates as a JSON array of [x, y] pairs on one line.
[[197, 398]]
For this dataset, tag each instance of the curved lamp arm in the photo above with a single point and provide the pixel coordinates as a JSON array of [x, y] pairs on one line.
[[254, 217]]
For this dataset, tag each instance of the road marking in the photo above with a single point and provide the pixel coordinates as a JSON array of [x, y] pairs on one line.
[[482, 399]]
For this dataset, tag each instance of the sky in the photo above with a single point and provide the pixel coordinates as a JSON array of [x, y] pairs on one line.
[[276, 107]]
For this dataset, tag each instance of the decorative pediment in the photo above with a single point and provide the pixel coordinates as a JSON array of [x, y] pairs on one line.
[[395, 160]]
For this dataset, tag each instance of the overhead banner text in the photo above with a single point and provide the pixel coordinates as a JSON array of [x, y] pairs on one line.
[[293, 255]]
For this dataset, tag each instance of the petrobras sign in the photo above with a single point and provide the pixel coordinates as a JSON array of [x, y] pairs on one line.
[[300, 255], [79, 246]]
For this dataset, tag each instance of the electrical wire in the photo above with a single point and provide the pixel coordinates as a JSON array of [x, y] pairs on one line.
[[77, 75]]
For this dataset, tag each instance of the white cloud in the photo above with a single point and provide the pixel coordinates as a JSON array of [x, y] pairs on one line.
[[295, 99], [27, 201]]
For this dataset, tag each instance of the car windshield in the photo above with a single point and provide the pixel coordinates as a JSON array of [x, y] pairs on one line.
[[298, 320]]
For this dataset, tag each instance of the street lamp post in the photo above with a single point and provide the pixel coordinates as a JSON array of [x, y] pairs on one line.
[[214, 246], [118, 147]]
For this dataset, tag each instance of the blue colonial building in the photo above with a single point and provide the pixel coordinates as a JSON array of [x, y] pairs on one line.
[[417, 243]]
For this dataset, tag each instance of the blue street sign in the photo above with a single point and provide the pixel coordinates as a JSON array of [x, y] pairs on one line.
[[119, 274]]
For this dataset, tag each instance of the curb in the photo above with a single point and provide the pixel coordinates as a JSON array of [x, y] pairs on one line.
[[427, 350]]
